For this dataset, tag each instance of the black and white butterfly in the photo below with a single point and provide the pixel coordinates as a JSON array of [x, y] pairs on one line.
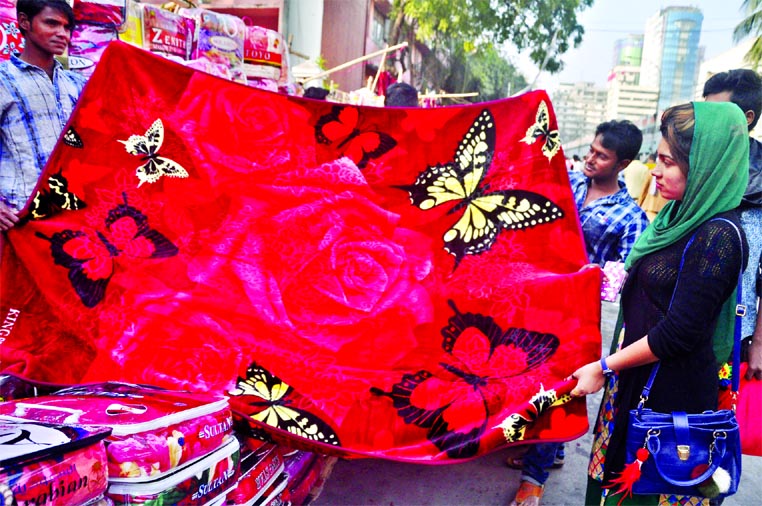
[[147, 146], [71, 138], [551, 140]]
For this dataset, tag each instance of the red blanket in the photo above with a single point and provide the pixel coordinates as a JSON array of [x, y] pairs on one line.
[[387, 282]]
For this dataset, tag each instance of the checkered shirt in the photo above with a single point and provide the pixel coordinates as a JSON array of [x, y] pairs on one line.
[[610, 224], [33, 111]]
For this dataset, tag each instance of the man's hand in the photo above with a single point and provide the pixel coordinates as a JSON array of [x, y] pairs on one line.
[[8, 216]]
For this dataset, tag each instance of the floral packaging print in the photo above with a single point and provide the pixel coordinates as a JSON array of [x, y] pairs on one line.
[[154, 430], [196, 483], [52, 464]]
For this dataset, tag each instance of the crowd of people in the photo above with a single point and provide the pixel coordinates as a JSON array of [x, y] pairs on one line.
[[689, 221]]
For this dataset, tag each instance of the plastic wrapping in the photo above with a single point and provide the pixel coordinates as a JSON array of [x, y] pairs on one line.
[[153, 430], [261, 464], [52, 464], [109, 13], [167, 33], [197, 483], [219, 37]]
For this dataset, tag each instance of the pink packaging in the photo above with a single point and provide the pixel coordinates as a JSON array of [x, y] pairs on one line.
[[88, 42], [218, 36], [613, 279], [195, 484], [52, 465], [100, 12], [154, 430], [167, 33], [261, 464], [263, 53]]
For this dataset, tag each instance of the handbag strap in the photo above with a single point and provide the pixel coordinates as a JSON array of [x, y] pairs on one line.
[[735, 373]]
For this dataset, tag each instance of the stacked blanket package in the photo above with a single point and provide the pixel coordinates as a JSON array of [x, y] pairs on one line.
[[118, 443], [164, 447], [52, 464]]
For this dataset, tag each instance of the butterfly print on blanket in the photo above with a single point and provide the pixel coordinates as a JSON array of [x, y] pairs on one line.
[[551, 140], [147, 147], [271, 402], [89, 257], [72, 139], [47, 202], [482, 214], [340, 129], [455, 402]]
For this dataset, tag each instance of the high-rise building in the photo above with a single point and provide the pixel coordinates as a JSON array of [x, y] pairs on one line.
[[626, 98], [579, 108], [628, 51], [671, 54]]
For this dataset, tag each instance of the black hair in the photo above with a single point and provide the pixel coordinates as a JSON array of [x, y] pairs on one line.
[[33, 7], [401, 95], [576, 158], [621, 136], [316, 93], [745, 89]]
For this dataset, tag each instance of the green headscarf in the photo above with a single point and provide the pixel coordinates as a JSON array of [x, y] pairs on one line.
[[717, 177]]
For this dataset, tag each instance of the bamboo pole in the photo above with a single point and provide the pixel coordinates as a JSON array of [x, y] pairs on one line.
[[451, 95], [354, 62]]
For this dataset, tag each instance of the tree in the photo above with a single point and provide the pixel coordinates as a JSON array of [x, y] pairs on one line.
[[751, 25], [530, 25]]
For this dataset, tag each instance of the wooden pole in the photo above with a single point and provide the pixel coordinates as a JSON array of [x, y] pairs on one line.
[[354, 62], [451, 95]]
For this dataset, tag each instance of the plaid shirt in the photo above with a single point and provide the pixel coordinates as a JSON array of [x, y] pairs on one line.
[[610, 224], [33, 111]]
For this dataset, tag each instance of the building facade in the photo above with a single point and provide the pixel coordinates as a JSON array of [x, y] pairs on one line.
[[671, 54], [579, 108], [626, 97]]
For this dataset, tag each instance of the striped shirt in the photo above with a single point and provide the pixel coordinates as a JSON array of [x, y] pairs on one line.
[[33, 111], [610, 224]]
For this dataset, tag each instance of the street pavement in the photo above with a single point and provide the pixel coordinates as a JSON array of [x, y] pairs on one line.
[[487, 480]]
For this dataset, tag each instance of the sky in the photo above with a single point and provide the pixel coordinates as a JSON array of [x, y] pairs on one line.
[[609, 20]]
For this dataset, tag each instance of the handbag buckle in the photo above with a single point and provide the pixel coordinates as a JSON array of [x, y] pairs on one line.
[[683, 452], [741, 310]]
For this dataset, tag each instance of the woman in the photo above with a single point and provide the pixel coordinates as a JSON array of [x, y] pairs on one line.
[[671, 310]]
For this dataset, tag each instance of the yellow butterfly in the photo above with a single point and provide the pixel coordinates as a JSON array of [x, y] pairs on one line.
[[484, 214], [272, 406], [541, 128], [147, 146]]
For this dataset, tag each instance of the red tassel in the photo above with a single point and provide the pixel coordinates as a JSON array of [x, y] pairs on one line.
[[629, 475]]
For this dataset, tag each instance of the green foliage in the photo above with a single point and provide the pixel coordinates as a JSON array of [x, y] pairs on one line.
[[483, 71], [751, 25], [530, 25]]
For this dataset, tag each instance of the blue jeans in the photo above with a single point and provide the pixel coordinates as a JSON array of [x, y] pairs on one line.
[[538, 460]]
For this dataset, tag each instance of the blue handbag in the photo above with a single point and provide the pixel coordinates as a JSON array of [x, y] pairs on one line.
[[688, 452]]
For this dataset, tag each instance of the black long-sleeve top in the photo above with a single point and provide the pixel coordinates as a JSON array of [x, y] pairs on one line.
[[680, 334]]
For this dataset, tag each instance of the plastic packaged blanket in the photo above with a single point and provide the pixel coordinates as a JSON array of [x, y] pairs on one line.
[[154, 430], [52, 464], [197, 483]]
